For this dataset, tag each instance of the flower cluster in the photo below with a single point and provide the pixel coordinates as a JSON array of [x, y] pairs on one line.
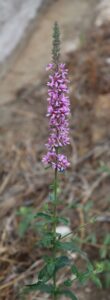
[[58, 112]]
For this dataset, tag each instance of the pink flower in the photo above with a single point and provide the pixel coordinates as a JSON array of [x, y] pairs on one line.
[[49, 67], [57, 112]]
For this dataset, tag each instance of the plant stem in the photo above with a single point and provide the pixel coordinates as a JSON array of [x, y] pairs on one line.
[[54, 231]]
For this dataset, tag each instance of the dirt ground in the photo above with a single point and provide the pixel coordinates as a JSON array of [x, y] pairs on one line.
[[73, 17], [24, 130]]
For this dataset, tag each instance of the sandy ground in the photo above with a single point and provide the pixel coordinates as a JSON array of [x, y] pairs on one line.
[[73, 17]]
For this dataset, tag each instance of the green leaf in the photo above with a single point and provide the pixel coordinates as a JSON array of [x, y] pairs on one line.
[[90, 267], [43, 215], [24, 211], [103, 252], [107, 239], [92, 238], [61, 262], [40, 225], [67, 293], [68, 282], [96, 280], [47, 240], [47, 271], [106, 265], [43, 274], [45, 288], [51, 186], [51, 268], [104, 169], [27, 216], [51, 197], [73, 206], [83, 277], [74, 270], [67, 246], [88, 206], [24, 225], [107, 280], [90, 274], [99, 268], [46, 207], [63, 220]]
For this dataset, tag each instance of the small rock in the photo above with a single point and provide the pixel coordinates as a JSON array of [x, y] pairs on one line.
[[63, 230]]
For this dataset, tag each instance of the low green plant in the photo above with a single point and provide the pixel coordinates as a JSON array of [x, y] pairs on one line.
[[57, 257]]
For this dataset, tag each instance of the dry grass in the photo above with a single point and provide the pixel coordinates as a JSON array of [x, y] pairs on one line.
[[23, 180]]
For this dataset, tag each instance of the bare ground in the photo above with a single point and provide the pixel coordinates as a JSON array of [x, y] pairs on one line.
[[24, 129]]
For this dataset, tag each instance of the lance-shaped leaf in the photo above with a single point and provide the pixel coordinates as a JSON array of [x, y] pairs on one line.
[[61, 262], [47, 271], [39, 286], [67, 246]]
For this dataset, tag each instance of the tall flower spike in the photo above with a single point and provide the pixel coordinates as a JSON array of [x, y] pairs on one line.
[[58, 109], [56, 44]]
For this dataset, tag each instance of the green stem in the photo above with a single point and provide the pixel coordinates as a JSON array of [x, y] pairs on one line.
[[54, 231]]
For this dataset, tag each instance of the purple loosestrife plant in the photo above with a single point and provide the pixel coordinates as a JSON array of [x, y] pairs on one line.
[[56, 247], [58, 112]]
